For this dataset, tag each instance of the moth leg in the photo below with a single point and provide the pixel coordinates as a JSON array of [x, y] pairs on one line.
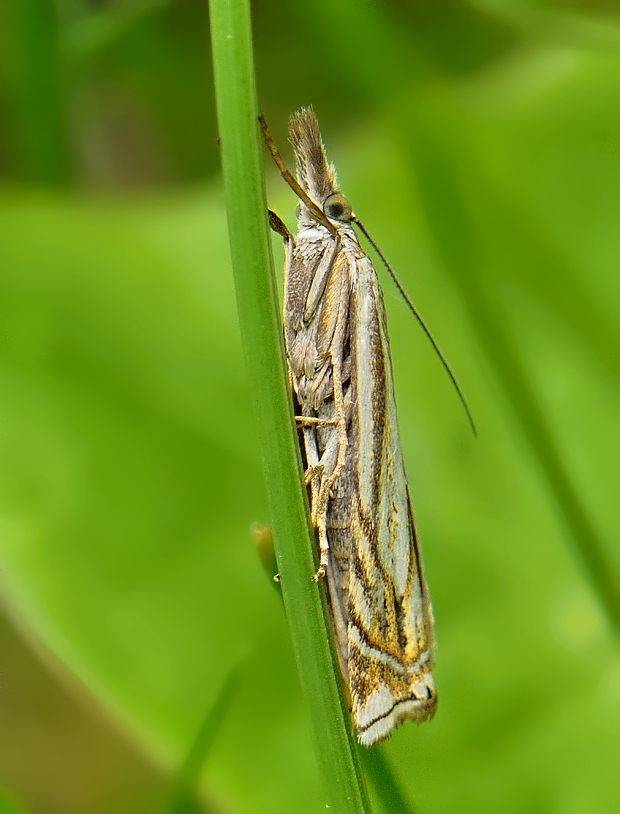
[[314, 477], [312, 420], [319, 520], [321, 499], [315, 466], [340, 419], [276, 224], [341, 422], [313, 472], [323, 552]]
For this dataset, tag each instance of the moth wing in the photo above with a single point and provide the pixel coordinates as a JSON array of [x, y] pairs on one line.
[[390, 622]]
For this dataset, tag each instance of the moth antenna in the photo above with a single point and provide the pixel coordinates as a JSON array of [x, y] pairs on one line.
[[417, 315]]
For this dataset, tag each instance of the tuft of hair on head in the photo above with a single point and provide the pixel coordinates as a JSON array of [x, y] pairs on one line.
[[314, 172]]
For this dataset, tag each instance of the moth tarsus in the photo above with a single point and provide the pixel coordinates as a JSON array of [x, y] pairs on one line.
[[338, 356]]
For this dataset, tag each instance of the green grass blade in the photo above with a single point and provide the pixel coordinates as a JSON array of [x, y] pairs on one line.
[[184, 797], [384, 783], [39, 124], [261, 334]]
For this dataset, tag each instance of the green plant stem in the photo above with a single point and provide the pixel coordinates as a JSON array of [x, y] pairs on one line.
[[40, 129], [385, 785], [184, 796], [261, 334]]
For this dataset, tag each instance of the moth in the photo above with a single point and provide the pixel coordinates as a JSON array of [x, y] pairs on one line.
[[338, 355]]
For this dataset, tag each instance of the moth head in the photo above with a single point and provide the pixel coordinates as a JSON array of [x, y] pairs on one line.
[[337, 207]]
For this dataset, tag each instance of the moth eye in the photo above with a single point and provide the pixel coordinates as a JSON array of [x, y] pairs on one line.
[[337, 207]]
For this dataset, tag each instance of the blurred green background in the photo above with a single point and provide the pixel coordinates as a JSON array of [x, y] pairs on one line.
[[480, 143]]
